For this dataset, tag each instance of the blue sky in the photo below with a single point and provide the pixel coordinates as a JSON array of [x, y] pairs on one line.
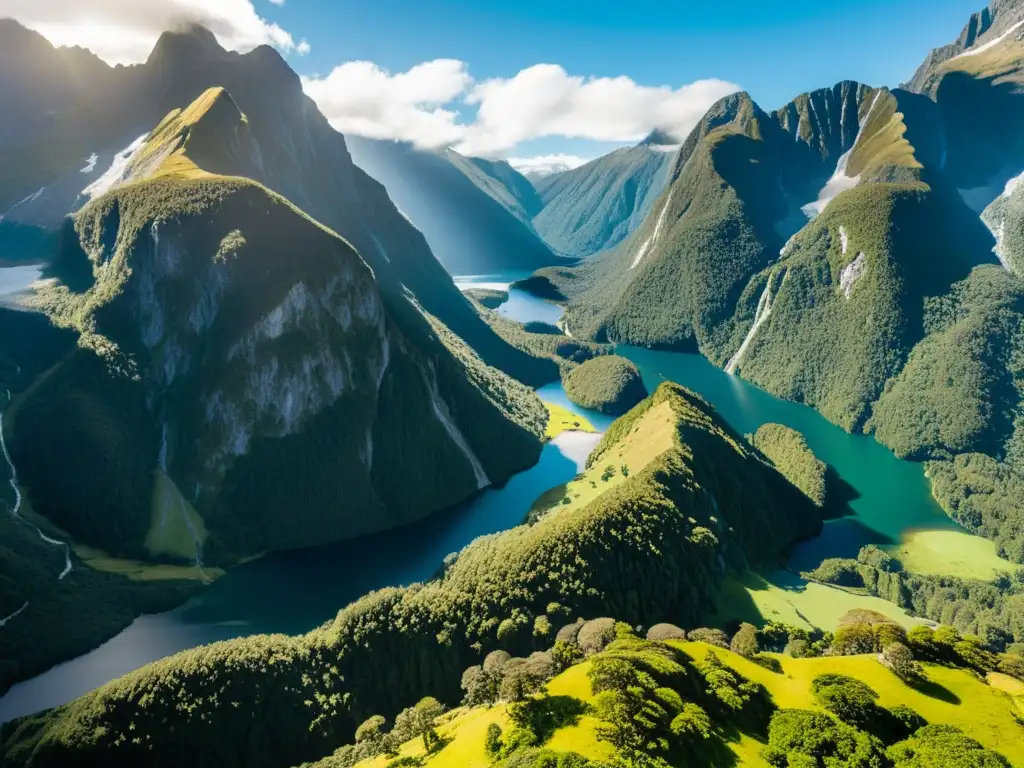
[[535, 77], [774, 50]]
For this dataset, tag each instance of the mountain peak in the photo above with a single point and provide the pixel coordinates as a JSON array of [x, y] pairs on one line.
[[660, 137], [191, 42]]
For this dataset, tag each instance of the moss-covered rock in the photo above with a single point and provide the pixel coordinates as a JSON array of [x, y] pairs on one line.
[[610, 384]]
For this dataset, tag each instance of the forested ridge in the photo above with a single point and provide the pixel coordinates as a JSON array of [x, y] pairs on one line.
[[650, 547]]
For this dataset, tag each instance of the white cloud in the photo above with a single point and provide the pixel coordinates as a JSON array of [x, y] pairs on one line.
[[303, 47], [544, 165], [422, 106], [277, 2], [545, 100], [361, 98], [124, 31]]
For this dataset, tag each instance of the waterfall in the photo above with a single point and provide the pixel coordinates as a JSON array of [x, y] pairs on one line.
[[444, 416], [764, 310], [653, 239], [5, 619], [16, 511]]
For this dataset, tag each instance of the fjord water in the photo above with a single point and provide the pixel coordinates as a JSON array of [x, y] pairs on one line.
[[293, 592], [15, 281], [887, 497]]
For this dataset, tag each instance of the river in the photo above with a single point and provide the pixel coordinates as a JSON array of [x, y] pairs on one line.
[[293, 592]]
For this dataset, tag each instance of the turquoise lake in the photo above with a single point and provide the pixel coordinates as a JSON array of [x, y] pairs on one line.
[[293, 592]]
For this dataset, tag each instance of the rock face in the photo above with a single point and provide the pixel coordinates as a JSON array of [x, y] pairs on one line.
[[242, 357], [984, 27], [302, 158]]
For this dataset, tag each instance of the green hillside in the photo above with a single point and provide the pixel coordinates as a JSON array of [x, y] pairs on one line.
[[610, 384], [594, 207], [206, 365], [700, 704], [643, 546]]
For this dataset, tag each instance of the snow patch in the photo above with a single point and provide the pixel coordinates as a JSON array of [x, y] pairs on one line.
[[851, 273], [840, 181], [117, 172], [653, 239], [764, 311], [90, 164], [990, 44]]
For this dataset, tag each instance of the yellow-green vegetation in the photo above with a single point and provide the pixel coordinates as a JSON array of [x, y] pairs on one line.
[[951, 553], [649, 437], [864, 696], [651, 545], [999, 61], [141, 570], [176, 529], [1012, 687], [561, 419], [610, 384], [882, 143], [990, 610], [810, 605], [954, 696], [789, 452], [464, 730]]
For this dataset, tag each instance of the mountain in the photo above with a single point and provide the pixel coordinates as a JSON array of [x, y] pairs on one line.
[[243, 303], [858, 251], [984, 28], [649, 543], [475, 214], [778, 214], [595, 206], [303, 159], [218, 359]]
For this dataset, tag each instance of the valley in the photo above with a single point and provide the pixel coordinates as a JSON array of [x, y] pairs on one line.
[[326, 444], [887, 501]]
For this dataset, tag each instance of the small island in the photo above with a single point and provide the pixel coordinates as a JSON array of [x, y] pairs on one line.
[[609, 384], [487, 297]]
